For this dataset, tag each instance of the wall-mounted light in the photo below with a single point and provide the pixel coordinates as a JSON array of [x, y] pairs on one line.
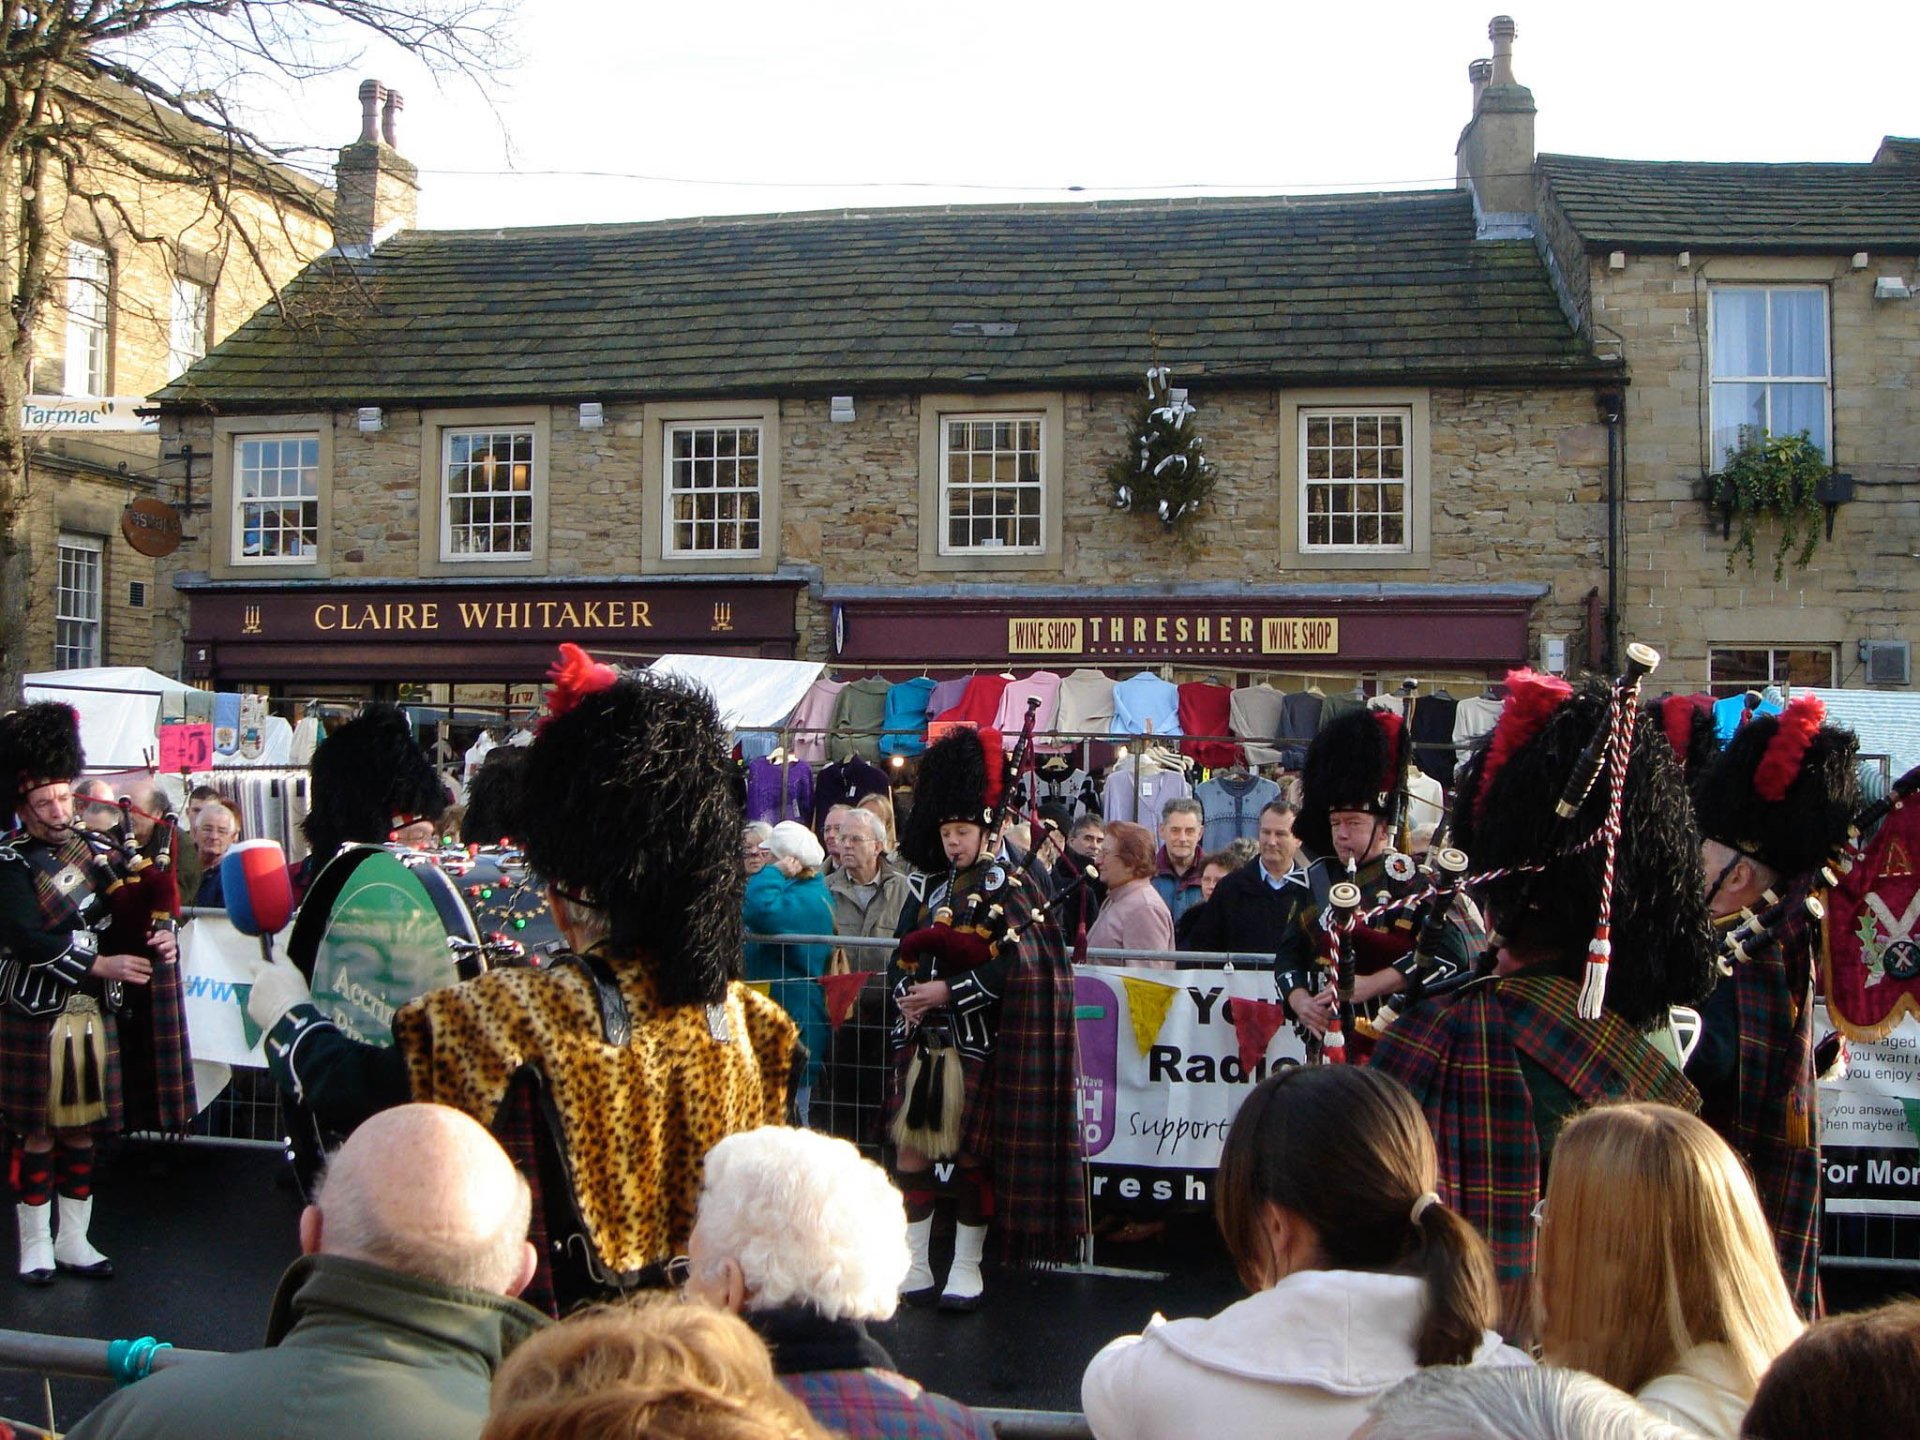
[[840, 409], [1684, 260], [1892, 287], [371, 419], [592, 416], [1859, 261], [1617, 260]]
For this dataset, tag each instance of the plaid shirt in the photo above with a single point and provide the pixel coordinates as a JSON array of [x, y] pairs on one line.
[[1471, 1061], [880, 1405]]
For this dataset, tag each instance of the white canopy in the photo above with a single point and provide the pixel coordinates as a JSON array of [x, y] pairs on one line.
[[752, 694], [119, 708]]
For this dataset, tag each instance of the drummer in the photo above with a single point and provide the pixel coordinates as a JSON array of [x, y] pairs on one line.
[[609, 1073], [372, 784]]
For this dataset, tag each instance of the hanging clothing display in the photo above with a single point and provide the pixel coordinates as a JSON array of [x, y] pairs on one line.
[[904, 727], [1137, 789], [945, 695], [843, 784], [1042, 685], [1334, 706], [979, 703], [1145, 704], [1204, 708], [812, 718], [1086, 704], [779, 791], [1473, 719], [1231, 803], [858, 713], [1299, 721], [1433, 735], [1254, 714]]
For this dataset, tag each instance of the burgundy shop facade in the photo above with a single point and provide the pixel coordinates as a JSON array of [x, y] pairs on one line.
[[386, 634], [1395, 630]]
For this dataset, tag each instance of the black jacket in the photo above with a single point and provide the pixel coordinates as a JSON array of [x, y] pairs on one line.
[[1246, 913]]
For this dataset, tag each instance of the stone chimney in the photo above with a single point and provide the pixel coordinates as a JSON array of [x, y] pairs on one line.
[[377, 190], [1494, 159]]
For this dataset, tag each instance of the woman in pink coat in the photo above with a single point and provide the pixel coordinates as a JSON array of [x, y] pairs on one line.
[[1134, 916]]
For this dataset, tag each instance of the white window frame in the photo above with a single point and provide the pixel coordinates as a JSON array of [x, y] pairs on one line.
[[189, 322], [522, 479], [89, 319], [1356, 412], [1037, 486], [670, 471], [1715, 382], [308, 495], [1292, 409], [80, 590]]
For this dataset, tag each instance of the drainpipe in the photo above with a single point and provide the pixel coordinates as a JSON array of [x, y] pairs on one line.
[[1612, 405]]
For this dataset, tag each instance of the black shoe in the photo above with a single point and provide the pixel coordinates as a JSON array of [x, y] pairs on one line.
[[961, 1304], [39, 1279], [99, 1270], [920, 1299]]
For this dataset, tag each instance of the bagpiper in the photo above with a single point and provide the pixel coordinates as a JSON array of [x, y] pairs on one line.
[[1773, 808]]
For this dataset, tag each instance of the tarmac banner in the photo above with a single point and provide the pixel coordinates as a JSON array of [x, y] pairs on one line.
[[1870, 1125], [216, 970], [1162, 1074]]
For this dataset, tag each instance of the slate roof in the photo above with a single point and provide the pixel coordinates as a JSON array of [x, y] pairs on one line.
[[1778, 209], [1377, 288]]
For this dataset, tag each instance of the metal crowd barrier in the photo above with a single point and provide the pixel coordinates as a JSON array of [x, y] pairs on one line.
[[108, 1360]]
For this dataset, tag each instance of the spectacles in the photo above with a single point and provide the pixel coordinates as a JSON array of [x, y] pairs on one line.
[[679, 1269]]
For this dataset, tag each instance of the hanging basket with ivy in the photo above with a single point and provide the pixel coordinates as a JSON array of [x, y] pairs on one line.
[[1166, 473], [1775, 477]]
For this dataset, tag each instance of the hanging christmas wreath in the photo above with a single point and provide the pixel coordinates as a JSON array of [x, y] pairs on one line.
[[1166, 474]]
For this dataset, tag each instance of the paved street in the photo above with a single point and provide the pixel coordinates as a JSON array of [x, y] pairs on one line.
[[201, 1233]]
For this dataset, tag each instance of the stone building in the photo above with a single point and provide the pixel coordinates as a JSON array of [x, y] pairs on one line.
[[1451, 436], [152, 277]]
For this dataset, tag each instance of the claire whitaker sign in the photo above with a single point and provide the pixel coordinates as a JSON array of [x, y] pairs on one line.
[[1179, 634]]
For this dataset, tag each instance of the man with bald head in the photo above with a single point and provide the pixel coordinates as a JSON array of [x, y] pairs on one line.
[[392, 1322]]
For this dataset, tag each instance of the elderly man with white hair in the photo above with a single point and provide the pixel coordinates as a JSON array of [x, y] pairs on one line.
[[807, 1241], [392, 1322], [868, 894]]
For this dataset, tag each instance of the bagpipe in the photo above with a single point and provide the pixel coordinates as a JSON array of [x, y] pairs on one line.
[[966, 932]]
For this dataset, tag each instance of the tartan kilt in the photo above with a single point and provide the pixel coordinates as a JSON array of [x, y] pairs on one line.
[[976, 1104], [155, 1059], [26, 1071]]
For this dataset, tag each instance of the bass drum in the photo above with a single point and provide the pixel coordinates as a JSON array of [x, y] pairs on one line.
[[379, 926]]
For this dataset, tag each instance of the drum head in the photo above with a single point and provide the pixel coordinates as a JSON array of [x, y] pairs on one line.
[[376, 931]]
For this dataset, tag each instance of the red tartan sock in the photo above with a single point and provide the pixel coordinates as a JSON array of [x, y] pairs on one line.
[[32, 1176], [919, 1197], [974, 1197], [76, 1171]]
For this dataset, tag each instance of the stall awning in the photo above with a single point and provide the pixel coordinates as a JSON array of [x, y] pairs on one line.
[[119, 707], [752, 694]]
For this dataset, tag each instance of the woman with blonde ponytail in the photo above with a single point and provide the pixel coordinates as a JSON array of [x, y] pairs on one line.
[[1359, 1276]]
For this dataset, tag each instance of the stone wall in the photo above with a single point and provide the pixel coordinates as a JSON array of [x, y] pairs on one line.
[[1517, 494], [1680, 595]]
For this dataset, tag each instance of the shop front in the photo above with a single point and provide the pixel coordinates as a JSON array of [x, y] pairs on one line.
[[1332, 630], [385, 635]]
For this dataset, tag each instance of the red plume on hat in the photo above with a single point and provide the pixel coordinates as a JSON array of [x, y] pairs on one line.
[[1779, 767], [576, 675], [1531, 700]]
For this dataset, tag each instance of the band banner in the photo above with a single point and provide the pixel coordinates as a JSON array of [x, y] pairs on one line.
[[216, 969], [1872, 970], [1870, 1119], [1159, 1088]]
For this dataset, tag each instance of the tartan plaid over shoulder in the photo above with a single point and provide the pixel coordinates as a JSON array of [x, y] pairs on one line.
[[1776, 1116], [1461, 1056]]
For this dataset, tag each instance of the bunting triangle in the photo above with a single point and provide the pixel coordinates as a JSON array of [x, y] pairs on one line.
[[842, 992], [1147, 1004], [1255, 1023]]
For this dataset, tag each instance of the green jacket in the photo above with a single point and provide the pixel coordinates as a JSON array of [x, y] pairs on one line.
[[353, 1349]]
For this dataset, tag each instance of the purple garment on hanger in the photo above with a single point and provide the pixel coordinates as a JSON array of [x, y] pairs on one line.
[[946, 695], [764, 780]]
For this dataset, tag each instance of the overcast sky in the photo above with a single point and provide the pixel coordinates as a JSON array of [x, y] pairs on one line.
[[625, 111]]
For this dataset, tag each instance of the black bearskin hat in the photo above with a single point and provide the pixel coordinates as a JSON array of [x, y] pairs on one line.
[[1662, 945], [1353, 764], [959, 778], [1784, 790], [368, 775], [629, 803], [493, 797], [38, 743], [1689, 730]]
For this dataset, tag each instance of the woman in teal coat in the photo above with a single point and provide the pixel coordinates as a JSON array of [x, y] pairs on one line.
[[789, 897]]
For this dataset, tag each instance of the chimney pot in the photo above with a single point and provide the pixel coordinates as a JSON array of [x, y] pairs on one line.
[[370, 94], [1478, 74], [1501, 31], [389, 114]]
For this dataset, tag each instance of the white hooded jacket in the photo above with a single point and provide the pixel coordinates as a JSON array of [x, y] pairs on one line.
[[1301, 1360]]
